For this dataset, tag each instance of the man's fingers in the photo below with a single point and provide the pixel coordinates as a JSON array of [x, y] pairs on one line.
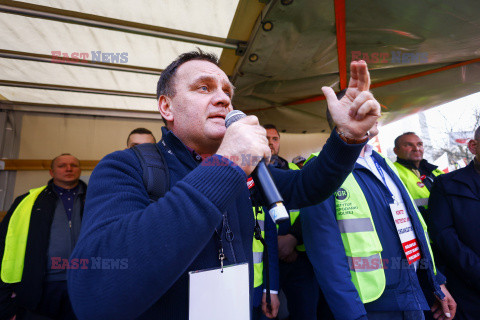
[[330, 96], [445, 308], [369, 108], [266, 311], [267, 153], [453, 307], [359, 101], [359, 76], [353, 82], [363, 76], [251, 120]]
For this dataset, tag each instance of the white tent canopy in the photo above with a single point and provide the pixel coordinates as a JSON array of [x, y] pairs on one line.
[[278, 53]]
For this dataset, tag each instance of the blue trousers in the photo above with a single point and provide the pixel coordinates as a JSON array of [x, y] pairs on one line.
[[298, 282]]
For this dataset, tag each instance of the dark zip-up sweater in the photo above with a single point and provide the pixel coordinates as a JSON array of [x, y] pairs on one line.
[[166, 239]]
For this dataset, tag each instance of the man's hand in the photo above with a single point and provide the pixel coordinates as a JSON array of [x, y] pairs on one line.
[[446, 308], [357, 111], [275, 305], [286, 248], [245, 143]]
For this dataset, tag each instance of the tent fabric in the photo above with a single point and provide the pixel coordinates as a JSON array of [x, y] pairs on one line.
[[278, 53]]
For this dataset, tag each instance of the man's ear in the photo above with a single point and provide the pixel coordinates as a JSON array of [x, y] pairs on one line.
[[164, 107], [51, 173], [395, 150], [471, 146]]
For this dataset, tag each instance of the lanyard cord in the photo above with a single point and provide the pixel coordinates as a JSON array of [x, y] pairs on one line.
[[382, 174]]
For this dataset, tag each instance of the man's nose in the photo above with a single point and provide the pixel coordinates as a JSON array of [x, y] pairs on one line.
[[221, 99]]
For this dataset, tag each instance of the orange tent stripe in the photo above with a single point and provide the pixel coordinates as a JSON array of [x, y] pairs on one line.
[[340, 22]]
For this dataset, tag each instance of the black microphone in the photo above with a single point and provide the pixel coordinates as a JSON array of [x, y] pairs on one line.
[[263, 179]]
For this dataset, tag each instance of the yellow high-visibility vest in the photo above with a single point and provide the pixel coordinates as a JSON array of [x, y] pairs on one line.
[[360, 239], [16, 239], [414, 184]]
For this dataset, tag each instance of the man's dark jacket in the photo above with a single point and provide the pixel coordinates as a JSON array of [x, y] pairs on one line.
[[454, 225], [29, 290]]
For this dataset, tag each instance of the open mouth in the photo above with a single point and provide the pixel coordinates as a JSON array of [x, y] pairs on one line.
[[217, 116]]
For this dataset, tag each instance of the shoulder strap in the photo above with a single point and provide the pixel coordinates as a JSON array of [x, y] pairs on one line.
[[156, 177]]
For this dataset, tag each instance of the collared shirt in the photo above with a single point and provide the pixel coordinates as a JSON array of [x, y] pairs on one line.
[[367, 162], [68, 198]]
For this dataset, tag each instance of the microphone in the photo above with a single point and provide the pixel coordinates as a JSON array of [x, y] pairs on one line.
[[263, 179]]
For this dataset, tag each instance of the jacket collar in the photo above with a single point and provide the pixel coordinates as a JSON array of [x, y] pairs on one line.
[[465, 177], [476, 165], [424, 165], [81, 190], [176, 147]]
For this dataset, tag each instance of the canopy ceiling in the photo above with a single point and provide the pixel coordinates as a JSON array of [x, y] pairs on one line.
[[278, 53]]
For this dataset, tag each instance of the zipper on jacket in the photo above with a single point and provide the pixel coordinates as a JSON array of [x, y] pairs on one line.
[[229, 236]]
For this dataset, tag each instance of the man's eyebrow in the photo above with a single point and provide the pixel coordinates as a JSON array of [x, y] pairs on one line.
[[203, 78], [207, 78]]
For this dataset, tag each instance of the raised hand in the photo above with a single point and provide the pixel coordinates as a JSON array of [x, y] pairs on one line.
[[358, 111]]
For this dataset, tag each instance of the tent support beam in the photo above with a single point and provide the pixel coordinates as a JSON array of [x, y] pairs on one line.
[[46, 86], [31, 107]]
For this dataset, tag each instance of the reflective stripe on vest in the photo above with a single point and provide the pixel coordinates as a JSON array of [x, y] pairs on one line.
[[258, 251], [411, 182], [423, 202], [365, 264], [16, 238]]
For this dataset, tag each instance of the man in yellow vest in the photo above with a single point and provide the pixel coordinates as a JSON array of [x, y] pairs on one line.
[[297, 279], [369, 247], [37, 236], [416, 173]]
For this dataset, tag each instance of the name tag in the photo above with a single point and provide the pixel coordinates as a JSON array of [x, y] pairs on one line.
[[217, 295], [405, 232]]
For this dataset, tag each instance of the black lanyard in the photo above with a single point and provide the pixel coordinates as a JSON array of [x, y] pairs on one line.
[[229, 236]]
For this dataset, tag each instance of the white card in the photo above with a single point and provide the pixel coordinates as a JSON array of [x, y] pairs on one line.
[[214, 295]]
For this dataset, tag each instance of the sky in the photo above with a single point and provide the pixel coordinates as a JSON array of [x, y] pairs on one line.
[[453, 116]]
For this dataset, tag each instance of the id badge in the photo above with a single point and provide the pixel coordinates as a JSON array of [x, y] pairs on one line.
[[405, 232], [217, 295]]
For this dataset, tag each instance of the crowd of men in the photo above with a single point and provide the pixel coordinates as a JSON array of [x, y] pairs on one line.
[[366, 238]]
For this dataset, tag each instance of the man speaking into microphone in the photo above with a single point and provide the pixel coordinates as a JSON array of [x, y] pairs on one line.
[[202, 217]]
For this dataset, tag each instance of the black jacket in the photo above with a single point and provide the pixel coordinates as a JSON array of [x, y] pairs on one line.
[[454, 225], [29, 290]]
